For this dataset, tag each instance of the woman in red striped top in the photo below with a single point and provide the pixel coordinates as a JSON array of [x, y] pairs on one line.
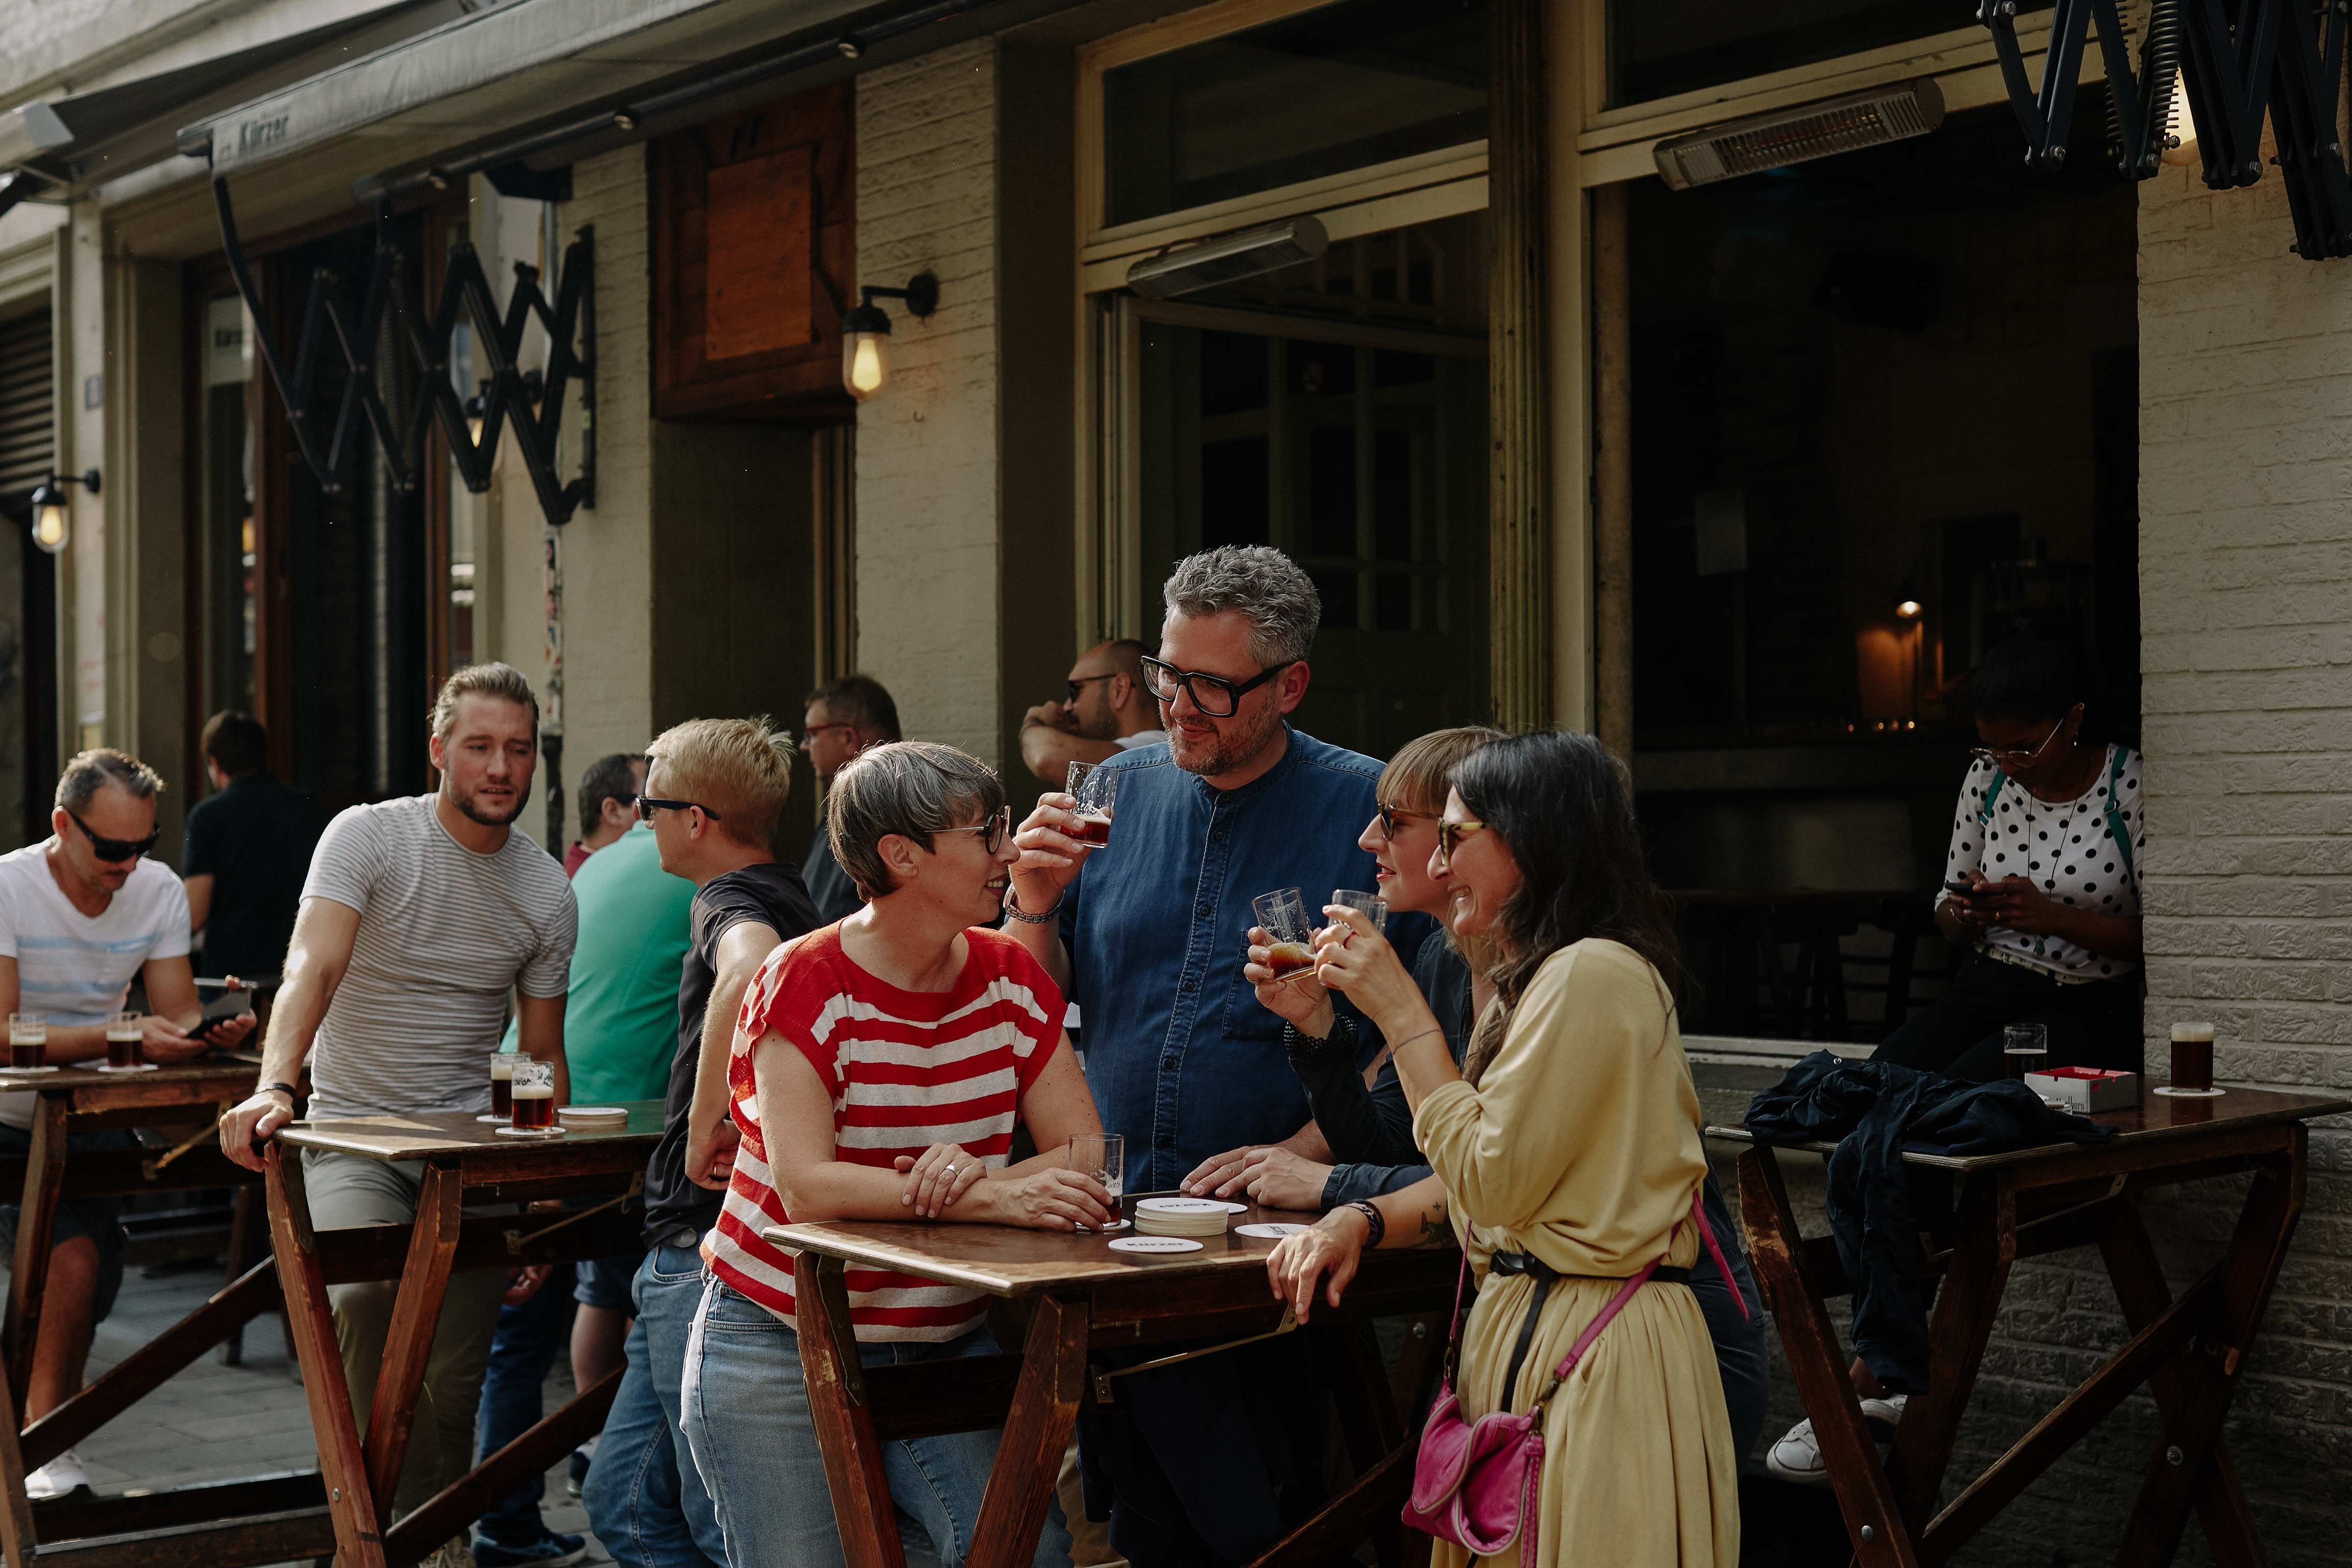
[[879, 1069]]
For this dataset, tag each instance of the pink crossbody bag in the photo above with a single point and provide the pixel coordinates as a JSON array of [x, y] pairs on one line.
[[1475, 1484]]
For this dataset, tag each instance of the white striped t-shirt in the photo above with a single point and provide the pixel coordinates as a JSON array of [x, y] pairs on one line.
[[444, 935], [908, 1070], [72, 969]]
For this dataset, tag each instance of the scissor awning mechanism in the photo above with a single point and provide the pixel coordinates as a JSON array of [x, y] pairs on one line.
[[2234, 64]]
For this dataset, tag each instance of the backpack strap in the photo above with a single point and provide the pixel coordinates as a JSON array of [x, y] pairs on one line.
[[1993, 793], [2118, 828]]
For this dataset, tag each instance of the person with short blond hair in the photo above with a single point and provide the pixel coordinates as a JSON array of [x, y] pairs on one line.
[[715, 788]]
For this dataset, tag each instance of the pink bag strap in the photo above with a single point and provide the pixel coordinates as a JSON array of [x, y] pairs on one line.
[[1714, 1250]]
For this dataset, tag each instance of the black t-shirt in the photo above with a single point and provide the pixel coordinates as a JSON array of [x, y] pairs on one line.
[[772, 896], [254, 838], [829, 887]]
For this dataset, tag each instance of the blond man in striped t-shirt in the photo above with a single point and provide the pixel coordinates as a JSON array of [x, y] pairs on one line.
[[879, 1067]]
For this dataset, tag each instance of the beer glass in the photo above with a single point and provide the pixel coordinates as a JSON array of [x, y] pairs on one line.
[[501, 1087], [533, 1089], [1290, 940], [1102, 1155], [2193, 1062], [2024, 1047], [1372, 904], [125, 1042], [28, 1041], [1096, 789]]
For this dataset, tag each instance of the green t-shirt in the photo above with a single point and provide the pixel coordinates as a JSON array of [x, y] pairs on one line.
[[620, 1018]]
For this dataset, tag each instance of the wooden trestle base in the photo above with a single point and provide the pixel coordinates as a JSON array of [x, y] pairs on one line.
[[2189, 1351]]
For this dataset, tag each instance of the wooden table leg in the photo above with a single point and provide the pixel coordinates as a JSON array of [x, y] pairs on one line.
[[16, 1536], [2183, 1468], [1036, 1433], [1983, 1248], [342, 1465], [1368, 1421], [248, 1239], [408, 1341], [1776, 1251], [36, 1223], [845, 1422]]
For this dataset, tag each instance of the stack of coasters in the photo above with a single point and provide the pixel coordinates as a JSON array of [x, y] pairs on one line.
[[1188, 1216], [594, 1118]]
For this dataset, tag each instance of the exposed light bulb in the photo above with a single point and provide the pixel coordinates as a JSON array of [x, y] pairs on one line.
[[869, 367]]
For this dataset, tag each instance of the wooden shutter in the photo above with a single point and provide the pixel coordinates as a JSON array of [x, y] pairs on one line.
[[27, 412]]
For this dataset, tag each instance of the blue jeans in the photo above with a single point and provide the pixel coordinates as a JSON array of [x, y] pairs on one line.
[[747, 1421], [521, 1352], [650, 1510], [1739, 1353]]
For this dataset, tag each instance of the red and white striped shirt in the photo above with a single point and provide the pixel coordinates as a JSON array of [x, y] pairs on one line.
[[907, 1070]]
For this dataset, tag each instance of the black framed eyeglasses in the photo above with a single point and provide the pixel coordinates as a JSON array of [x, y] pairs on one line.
[[992, 832], [647, 805], [1079, 683], [114, 850], [1214, 696]]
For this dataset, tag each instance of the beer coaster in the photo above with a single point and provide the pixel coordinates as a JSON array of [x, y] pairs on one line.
[[2171, 1092], [27, 1068], [1230, 1207], [1187, 1205], [1159, 1246], [530, 1132], [1274, 1232], [494, 1121], [1101, 1229], [135, 1067], [594, 1118]]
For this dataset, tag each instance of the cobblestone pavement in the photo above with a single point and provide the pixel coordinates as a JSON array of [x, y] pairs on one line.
[[218, 1423]]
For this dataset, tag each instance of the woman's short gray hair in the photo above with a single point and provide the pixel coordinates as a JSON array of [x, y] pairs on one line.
[[1261, 584], [910, 787]]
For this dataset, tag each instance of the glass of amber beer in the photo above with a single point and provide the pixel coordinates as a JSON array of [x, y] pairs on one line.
[[501, 1087], [28, 1041], [1094, 789], [1290, 939], [533, 1089], [125, 1043]]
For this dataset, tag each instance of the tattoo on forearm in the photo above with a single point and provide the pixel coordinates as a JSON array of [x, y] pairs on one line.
[[1435, 1225]]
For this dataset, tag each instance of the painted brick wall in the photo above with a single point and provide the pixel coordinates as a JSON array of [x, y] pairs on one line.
[[927, 497]]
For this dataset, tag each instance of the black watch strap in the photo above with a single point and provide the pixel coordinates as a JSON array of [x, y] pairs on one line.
[[265, 1088]]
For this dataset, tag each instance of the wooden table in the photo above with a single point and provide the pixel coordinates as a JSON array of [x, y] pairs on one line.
[[2023, 1204], [466, 1162], [1080, 1296], [216, 1522]]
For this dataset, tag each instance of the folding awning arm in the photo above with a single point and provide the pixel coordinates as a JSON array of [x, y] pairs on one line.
[[327, 440]]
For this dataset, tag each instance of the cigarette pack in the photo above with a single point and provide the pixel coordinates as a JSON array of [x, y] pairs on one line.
[[2087, 1088]]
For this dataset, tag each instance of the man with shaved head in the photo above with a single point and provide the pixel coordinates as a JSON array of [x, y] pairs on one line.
[[1105, 712]]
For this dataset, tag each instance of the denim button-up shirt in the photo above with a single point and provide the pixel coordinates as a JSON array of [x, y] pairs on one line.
[[1183, 1059]]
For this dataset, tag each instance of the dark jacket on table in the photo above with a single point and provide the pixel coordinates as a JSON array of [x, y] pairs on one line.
[[1875, 1111]]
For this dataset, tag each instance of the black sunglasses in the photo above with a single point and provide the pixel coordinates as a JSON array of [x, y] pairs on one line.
[[1393, 815], [647, 805], [1165, 680], [115, 850], [1079, 683]]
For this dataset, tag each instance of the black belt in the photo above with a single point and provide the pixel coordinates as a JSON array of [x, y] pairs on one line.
[[1546, 1276]]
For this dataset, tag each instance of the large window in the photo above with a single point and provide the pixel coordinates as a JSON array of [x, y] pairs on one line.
[[1324, 92], [226, 567], [1658, 49]]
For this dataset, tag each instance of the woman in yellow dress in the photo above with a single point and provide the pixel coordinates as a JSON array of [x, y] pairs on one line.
[[1566, 1156]]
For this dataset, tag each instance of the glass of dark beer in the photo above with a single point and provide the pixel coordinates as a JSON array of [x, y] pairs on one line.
[[28, 1041], [2024, 1047], [2192, 1062], [125, 1042], [501, 1087], [1096, 789], [1290, 945], [533, 1092]]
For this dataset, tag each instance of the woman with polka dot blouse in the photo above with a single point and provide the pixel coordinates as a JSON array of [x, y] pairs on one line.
[[2041, 883]]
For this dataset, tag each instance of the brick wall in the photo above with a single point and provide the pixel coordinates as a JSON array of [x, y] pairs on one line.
[[927, 470]]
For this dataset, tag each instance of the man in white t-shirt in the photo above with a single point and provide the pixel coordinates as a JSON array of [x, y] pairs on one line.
[[81, 915], [1105, 712], [421, 916]]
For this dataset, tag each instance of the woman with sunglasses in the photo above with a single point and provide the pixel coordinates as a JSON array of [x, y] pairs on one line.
[[1566, 1156], [2042, 881], [879, 1068]]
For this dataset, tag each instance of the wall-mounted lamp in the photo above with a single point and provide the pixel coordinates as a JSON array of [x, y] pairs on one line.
[[1908, 610], [864, 358], [52, 520]]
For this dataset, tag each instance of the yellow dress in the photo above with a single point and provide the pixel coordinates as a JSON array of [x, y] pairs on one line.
[[1581, 1145]]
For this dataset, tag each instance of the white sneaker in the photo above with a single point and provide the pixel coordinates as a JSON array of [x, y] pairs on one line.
[[457, 1553], [1798, 1457], [60, 1477]]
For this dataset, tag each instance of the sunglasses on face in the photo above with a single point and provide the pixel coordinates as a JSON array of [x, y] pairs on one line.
[[809, 735], [647, 805], [1392, 816], [992, 832], [1214, 696], [1077, 683], [114, 850], [1450, 836]]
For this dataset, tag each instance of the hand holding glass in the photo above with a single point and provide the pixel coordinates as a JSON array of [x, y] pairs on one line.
[[1102, 1155], [1094, 791], [1283, 916]]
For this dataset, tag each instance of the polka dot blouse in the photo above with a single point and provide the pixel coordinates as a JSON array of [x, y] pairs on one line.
[[2064, 847]]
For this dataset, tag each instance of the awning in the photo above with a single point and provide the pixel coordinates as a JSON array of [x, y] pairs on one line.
[[535, 73], [109, 132]]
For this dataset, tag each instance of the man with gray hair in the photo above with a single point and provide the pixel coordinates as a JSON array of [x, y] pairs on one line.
[[1148, 935], [421, 917], [82, 914]]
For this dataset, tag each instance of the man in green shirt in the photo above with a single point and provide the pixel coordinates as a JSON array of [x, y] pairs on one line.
[[620, 1018]]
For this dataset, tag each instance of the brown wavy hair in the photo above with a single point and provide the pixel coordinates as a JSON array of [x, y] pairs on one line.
[[1564, 807]]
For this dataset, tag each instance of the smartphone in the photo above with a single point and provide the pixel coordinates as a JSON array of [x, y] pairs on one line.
[[228, 1005], [1962, 889]]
